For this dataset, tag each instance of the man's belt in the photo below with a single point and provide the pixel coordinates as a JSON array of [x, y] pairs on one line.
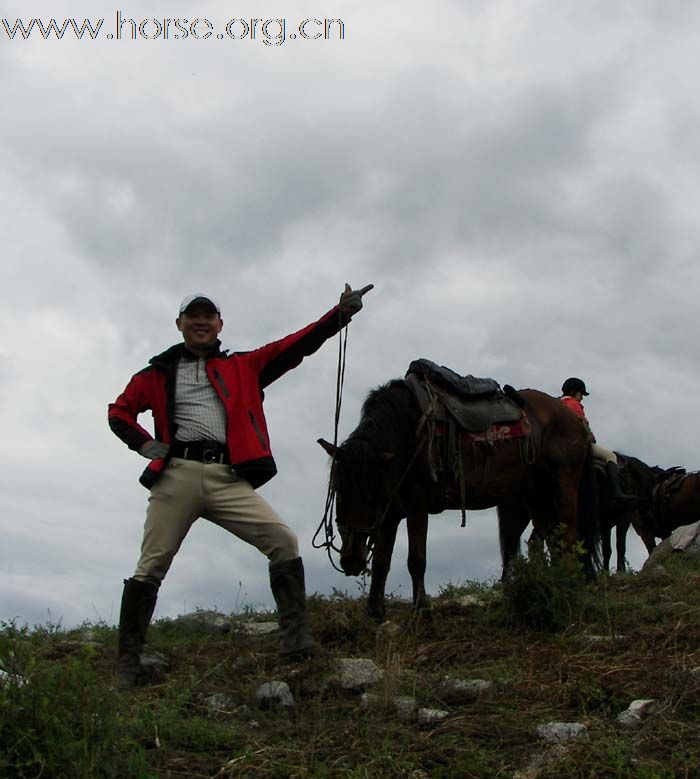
[[204, 451]]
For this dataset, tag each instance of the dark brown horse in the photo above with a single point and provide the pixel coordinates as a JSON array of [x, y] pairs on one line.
[[676, 502], [381, 475], [637, 479]]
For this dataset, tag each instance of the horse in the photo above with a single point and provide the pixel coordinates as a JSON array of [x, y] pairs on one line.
[[636, 478], [381, 474], [675, 502]]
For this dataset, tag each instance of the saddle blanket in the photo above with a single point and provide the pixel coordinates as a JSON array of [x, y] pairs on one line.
[[496, 432]]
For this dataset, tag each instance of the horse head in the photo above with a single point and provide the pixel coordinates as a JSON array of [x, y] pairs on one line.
[[361, 479]]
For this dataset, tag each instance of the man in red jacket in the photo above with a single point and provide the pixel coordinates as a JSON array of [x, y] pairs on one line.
[[209, 454], [573, 391]]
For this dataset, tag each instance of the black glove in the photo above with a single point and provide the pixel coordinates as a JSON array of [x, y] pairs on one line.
[[351, 299], [154, 450]]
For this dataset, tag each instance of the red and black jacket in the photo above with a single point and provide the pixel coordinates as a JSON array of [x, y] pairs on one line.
[[239, 380]]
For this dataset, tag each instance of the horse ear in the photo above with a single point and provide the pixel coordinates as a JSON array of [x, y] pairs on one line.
[[388, 456], [330, 448]]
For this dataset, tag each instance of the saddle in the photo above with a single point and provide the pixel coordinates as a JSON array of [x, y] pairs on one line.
[[474, 404], [668, 483], [460, 411]]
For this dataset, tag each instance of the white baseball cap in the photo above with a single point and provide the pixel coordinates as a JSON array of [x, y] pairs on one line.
[[199, 297]]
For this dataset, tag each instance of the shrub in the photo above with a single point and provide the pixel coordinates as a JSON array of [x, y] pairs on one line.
[[58, 719], [545, 591]]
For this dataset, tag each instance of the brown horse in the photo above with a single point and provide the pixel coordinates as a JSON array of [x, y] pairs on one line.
[[670, 508], [636, 478], [381, 475]]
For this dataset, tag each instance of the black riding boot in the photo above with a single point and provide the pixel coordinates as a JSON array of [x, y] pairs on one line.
[[612, 473], [138, 603], [287, 584]]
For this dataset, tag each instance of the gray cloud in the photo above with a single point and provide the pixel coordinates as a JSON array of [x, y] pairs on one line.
[[518, 180]]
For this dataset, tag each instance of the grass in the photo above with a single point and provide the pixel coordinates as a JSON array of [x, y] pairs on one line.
[[568, 652]]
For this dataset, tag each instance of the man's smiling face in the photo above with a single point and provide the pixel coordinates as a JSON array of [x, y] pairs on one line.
[[200, 325]]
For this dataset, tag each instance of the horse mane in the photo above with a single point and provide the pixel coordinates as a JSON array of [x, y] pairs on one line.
[[384, 405], [388, 419]]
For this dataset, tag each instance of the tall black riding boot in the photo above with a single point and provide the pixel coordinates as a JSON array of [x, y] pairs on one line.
[[288, 589], [138, 603], [612, 473]]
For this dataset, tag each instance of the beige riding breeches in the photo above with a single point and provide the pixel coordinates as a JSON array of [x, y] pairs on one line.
[[602, 455], [189, 489]]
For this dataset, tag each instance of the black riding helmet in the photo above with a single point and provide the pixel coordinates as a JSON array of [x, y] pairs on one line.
[[572, 386]]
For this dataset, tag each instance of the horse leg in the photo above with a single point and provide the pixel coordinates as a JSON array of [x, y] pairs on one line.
[[647, 536], [572, 485], [552, 499], [417, 527], [623, 525], [606, 543], [513, 518], [381, 563]]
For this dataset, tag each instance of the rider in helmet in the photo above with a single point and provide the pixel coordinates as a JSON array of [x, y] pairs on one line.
[[573, 391]]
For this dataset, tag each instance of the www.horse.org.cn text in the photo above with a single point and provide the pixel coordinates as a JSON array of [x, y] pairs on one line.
[[270, 32]]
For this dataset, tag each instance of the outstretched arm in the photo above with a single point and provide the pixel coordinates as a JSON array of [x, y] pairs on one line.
[[276, 358]]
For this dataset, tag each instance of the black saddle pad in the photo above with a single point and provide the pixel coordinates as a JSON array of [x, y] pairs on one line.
[[463, 386]]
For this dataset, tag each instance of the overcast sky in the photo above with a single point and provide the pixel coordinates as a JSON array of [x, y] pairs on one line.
[[517, 178]]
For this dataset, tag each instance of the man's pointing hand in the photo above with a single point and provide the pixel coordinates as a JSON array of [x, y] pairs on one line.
[[351, 299]]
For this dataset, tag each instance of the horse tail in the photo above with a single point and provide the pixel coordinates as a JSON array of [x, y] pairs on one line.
[[589, 517]]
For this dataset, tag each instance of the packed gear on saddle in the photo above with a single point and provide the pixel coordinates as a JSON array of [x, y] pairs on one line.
[[573, 391], [668, 484], [460, 412]]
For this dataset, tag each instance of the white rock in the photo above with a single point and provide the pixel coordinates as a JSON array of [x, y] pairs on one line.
[[636, 711], [431, 716], [560, 732], [628, 719], [643, 707], [204, 620], [259, 628], [274, 694], [462, 690], [357, 674], [683, 537], [7, 678], [155, 661]]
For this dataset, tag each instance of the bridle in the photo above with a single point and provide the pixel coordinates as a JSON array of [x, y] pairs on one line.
[[326, 527]]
